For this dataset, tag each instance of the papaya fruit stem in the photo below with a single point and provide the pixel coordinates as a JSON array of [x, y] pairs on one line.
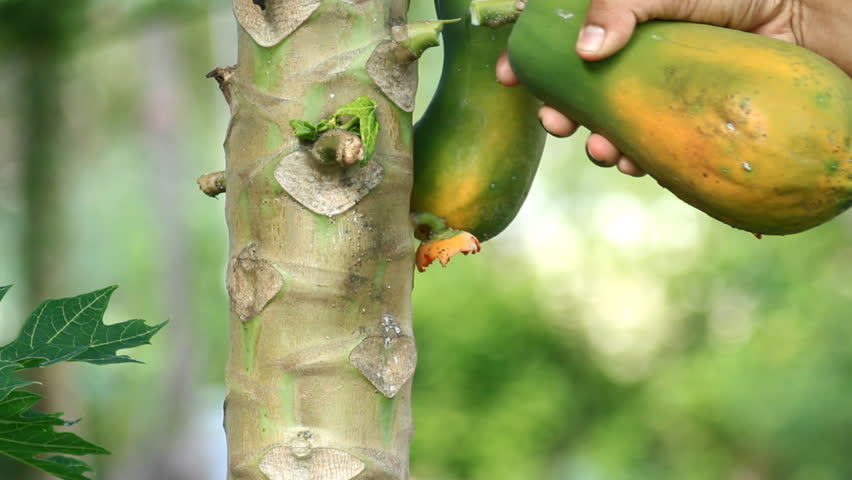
[[417, 37], [427, 224], [495, 13]]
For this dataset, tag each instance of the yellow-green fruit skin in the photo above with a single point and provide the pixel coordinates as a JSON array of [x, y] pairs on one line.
[[478, 145], [751, 130]]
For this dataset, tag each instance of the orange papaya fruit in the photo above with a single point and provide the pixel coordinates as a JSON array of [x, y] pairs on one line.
[[751, 130]]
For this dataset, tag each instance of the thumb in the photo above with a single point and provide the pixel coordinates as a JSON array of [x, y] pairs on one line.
[[610, 23]]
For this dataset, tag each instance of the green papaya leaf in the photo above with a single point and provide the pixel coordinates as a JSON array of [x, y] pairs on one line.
[[72, 329], [367, 125], [325, 125], [362, 121], [66, 468], [8, 382], [304, 130], [68, 329], [360, 107]]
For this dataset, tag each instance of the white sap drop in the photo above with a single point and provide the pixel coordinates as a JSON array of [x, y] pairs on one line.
[[563, 14], [730, 126], [746, 167]]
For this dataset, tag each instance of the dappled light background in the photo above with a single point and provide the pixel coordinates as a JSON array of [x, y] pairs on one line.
[[612, 332]]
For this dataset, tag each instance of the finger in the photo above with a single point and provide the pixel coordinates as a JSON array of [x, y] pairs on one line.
[[555, 123], [629, 167], [601, 152], [610, 23], [608, 26], [595, 160], [505, 75]]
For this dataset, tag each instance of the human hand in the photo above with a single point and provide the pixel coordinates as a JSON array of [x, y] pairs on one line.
[[824, 26]]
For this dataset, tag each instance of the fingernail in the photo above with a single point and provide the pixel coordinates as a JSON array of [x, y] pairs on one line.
[[541, 122], [591, 38], [595, 160]]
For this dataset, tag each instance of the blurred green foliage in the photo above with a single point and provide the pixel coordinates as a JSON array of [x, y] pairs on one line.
[[30, 26], [611, 333]]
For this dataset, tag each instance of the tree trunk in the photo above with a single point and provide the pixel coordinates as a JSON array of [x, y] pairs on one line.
[[44, 239], [320, 271]]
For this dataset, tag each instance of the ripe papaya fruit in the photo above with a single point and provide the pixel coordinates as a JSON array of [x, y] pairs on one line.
[[476, 147], [751, 130]]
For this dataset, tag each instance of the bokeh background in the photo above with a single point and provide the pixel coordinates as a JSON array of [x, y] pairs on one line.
[[612, 333]]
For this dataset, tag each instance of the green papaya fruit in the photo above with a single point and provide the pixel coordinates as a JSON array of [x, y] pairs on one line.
[[751, 130], [478, 145]]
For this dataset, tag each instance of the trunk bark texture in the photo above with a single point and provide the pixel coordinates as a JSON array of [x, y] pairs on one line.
[[320, 271]]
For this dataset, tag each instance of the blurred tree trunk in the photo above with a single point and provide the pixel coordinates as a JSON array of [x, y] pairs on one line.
[[44, 238], [41, 236], [322, 349]]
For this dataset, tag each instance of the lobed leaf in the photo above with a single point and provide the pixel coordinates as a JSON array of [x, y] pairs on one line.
[[8, 382], [66, 468], [72, 329], [27, 435], [68, 329]]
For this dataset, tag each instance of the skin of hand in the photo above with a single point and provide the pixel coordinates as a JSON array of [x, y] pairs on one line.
[[824, 26]]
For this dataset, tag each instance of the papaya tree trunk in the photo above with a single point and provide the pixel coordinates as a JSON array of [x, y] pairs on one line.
[[320, 269]]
